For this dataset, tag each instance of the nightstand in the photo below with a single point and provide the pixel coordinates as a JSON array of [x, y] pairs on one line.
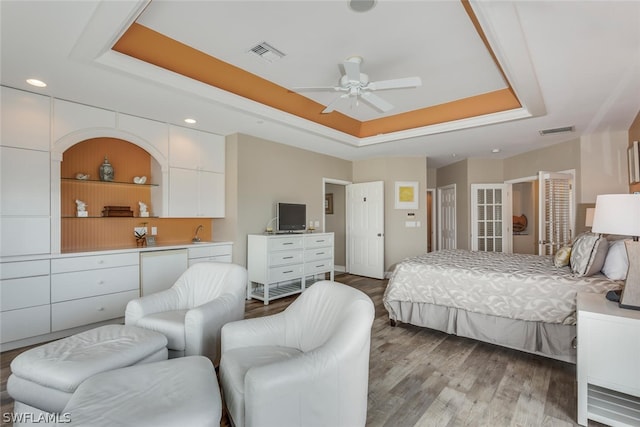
[[608, 362]]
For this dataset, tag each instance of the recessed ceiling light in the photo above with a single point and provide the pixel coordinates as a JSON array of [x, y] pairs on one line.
[[361, 5], [36, 83], [495, 150], [190, 121]]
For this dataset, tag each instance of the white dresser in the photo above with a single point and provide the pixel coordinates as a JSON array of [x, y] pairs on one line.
[[608, 362], [284, 264]]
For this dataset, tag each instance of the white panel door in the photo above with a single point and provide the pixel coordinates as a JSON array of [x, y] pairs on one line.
[[491, 212], [447, 232], [555, 215], [365, 229]]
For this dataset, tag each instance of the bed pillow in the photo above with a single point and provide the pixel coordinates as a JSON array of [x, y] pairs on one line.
[[616, 263], [588, 254], [561, 258]]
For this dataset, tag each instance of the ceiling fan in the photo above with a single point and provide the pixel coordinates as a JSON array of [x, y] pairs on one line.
[[356, 85]]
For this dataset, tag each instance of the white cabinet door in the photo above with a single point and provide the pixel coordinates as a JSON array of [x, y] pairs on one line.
[[211, 194], [69, 117], [192, 149], [159, 270], [24, 182], [194, 193], [25, 119], [183, 193]]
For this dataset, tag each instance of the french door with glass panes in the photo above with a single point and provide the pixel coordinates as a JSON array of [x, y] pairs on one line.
[[491, 217]]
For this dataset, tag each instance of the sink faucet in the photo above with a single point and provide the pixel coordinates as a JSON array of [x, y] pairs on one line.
[[196, 238]]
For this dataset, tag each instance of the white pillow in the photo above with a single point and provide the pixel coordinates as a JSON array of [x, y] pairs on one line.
[[616, 264]]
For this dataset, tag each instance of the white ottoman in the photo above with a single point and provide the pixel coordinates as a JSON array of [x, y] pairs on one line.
[[176, 392], [45, 377]]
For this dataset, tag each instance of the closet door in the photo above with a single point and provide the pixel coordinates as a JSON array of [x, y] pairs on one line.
[[556, 201], [491, 217]]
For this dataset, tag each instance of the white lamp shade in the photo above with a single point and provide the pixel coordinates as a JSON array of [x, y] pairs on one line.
[[588, 222], [617, 214]]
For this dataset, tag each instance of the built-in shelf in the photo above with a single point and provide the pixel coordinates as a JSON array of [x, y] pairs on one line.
[[95, 181]]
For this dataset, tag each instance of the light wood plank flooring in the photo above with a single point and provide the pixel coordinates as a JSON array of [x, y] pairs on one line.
[[422, 377]]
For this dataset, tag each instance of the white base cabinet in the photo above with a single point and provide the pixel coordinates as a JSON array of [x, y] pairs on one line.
[[608, 362], [47, 297], [281, 265]]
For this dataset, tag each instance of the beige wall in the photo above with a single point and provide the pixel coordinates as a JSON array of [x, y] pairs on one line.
[[264, 173], [603, 161], [336, 223], [634, 135], [400, 241]]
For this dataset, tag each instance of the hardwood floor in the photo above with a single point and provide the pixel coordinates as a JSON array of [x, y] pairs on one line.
[[422, 377]]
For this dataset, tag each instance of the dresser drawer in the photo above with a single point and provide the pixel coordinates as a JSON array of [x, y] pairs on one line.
[[287, 272], [69, 314], [13, 270], [82, 284], [24, 323], [320, 266], [209, 251], [284, 243], [24, 292], [285, 258], [318, 241], [318, 253], [91, 262]]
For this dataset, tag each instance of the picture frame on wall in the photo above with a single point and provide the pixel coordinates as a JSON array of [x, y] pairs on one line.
[[633, 155], [328, 203], [406, 195]]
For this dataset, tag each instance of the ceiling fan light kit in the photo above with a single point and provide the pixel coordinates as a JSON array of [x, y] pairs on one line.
[[356, 85]]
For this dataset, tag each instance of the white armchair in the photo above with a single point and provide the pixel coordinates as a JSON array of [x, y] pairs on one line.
[[305, 366], [192, 312]]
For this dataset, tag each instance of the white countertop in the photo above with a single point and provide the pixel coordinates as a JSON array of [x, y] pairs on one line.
[[157, 247]]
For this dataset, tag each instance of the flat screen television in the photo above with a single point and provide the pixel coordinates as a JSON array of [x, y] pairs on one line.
[[291, 217]]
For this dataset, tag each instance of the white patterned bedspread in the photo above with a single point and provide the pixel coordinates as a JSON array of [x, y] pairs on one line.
[[517, 286]]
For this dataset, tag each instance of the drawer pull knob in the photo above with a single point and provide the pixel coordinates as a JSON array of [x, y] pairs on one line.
[[319, 253], [101, 282], [287, 243], [321, 265], [285, 272], [287, 257], [100, 308]]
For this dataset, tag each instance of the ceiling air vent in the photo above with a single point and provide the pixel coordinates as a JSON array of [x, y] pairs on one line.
[[557, 130], [267, 52]]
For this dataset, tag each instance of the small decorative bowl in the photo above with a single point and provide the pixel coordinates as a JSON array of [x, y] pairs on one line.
[[140, 179]]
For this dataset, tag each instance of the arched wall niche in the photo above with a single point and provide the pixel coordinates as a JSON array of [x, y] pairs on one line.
[[84, 152]]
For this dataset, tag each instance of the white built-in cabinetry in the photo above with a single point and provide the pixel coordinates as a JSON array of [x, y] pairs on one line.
[[25, 196], [25, 303], [93, 288], [196, 173], [47, 297], [283, 264], [608, 362]]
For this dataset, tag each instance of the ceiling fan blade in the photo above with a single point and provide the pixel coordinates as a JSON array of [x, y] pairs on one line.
[[352, 69], [332, 104], [376, 102], [406, 82]]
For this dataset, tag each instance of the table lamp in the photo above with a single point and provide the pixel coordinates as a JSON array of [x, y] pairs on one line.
[[620, 214]]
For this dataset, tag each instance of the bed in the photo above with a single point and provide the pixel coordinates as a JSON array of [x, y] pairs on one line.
[[519, 301]]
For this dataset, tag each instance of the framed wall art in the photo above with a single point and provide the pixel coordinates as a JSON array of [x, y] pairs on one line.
[[328, 203], [406, 195]]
